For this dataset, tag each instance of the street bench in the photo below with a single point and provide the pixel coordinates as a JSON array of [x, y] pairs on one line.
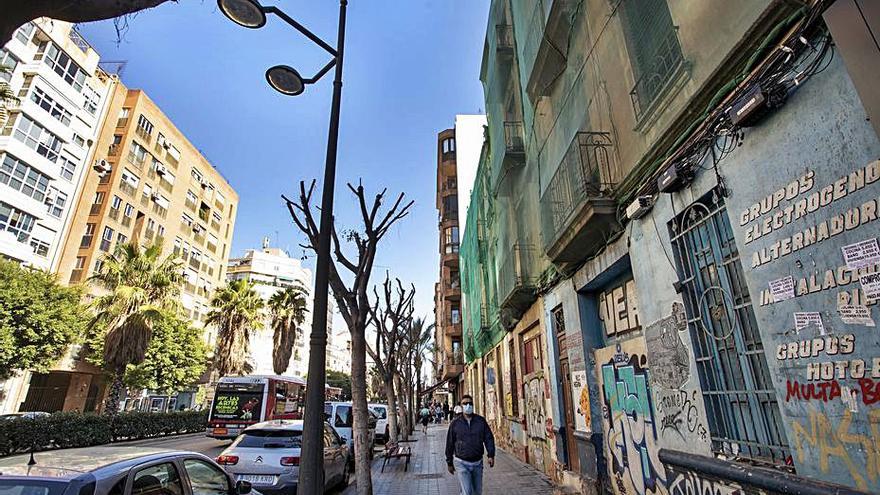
[[395, 451]]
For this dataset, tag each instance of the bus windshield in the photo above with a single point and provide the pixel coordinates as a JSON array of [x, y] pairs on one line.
[[238, 402]]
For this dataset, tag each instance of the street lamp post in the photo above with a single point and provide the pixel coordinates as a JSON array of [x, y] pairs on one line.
[[286, 80]]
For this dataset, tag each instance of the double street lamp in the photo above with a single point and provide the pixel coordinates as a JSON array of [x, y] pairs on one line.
[[286, 80]]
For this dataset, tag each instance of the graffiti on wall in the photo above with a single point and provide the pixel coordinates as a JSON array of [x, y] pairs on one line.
[[631, 431], [692, 483], [679, 414], [535, 416], [666, 351]]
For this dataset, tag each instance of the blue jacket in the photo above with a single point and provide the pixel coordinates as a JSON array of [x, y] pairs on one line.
[[465, 439]]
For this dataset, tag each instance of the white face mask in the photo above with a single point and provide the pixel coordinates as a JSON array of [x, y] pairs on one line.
[[468, 409]]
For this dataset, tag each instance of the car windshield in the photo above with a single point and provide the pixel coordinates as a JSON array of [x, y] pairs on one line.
[[269, 439], [379, 412], [31, 487]]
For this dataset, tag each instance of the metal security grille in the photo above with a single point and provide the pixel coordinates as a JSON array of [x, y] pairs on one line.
[[654, 50], [743, 413]]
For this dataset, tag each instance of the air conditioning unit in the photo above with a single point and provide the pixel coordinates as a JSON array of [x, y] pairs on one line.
[[166, 145], [161, 170], [197, 228], [155, 197], [204, 185], [50, 197], [103, 167]]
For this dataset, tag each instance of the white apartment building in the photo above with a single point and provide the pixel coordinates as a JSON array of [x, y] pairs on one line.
[[339, 350], [48, 141], [271, 269]]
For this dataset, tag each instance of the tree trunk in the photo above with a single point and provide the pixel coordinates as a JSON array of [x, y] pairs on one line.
[[362, 447], [393, 424], [404, 410], [111, 405]]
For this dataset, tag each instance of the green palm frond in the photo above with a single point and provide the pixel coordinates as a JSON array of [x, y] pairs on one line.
[[288, 309], [237, 310]]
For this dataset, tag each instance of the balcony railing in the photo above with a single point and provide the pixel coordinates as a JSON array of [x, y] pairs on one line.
[[660, 70], [579, 194], [95, 209], [78, 40], [143, 133], [105, 245], [127, 188], [113, 213], [504, 38], [122, 122], [517, 277], [484, 316], [136, 160], [195, 263], [513, 137], [126, 221]]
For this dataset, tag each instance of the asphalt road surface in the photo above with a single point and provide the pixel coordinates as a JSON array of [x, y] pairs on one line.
[[196, 442]]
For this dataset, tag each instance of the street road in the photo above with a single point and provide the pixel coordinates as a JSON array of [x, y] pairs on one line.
[[196, 442]]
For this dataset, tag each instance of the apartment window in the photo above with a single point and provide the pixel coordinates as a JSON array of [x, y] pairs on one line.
[[19, 223], [88, 235], [99, 198], [174, 153], [654, 51], [50, 105], [145, 125], [36, 137], [191, 199], [129, 210], [124, 113], [68, 167], [56, 207], [160, 231], [741, 404], [220, 198], [450, 237], [79, 141], [92, 99], [450, 207], [178, 242], [196, 175], [25, 32], [121, 239], [62, 64], [137, 154], [186, 219], [80, 263], [455, 314], [41, 248], [448, 145], [116, 202], [129, 182], [9, 61], [106, 239], [216, 218], [20, 176]]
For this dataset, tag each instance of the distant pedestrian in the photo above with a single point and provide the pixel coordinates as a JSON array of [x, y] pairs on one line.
[[445, 410], [425, 413], [465, 439]]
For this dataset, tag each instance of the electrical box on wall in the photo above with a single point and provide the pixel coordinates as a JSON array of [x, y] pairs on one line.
[[640, 207], [675, 178]]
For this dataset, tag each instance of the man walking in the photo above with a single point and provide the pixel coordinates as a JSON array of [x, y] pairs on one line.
[[465, 439]]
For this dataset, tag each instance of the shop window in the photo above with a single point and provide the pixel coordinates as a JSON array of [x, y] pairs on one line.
[[741, 405]]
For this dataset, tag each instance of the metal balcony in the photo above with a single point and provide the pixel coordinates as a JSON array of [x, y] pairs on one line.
[[504, 40], [517, 278], [577, 211], [660, 69], [514, 143]]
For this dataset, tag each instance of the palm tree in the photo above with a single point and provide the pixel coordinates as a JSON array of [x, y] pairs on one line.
[[288, 309], [237, 310], [140, 285], [420, 336], [7, 97]]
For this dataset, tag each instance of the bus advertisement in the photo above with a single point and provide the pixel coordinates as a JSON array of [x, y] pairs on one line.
[[240, 401]]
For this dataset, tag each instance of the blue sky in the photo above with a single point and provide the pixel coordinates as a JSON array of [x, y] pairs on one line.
[[410, 66]]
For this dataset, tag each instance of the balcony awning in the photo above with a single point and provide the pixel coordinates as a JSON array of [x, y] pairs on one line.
[[434, 387]]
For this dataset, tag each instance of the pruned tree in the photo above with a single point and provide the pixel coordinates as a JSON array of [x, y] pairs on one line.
[[350, 291], [18, 12], [390, 315]]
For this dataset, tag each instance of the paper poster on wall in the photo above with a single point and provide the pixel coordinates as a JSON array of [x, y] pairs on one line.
[[580, 392], [855, 314], [808, 318], [782, 288], [861, 254], [870, 285]]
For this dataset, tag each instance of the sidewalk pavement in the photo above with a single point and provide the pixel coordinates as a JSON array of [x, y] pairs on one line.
[[427, 473]]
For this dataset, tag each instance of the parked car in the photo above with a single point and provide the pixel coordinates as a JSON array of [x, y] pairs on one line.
[[25, 415], [341, 417], [117, 470], [381, 412], [267, 456]]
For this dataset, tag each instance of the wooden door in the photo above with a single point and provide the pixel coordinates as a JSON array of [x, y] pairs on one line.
[[568, 409]]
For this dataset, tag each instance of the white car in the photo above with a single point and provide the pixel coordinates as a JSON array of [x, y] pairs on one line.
[[341, 417], [381, 412], [267, 455]]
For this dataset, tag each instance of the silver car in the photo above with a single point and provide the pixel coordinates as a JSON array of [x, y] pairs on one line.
[[267, 456]]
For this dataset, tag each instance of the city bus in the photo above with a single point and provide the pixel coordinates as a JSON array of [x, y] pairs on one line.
[[240, 401]]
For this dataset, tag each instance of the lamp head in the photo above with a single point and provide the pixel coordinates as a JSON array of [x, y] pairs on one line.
[[247, 13], [286, 80]]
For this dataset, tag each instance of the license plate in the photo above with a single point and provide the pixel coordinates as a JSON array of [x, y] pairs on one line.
[[221, 431], [258, 479]]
